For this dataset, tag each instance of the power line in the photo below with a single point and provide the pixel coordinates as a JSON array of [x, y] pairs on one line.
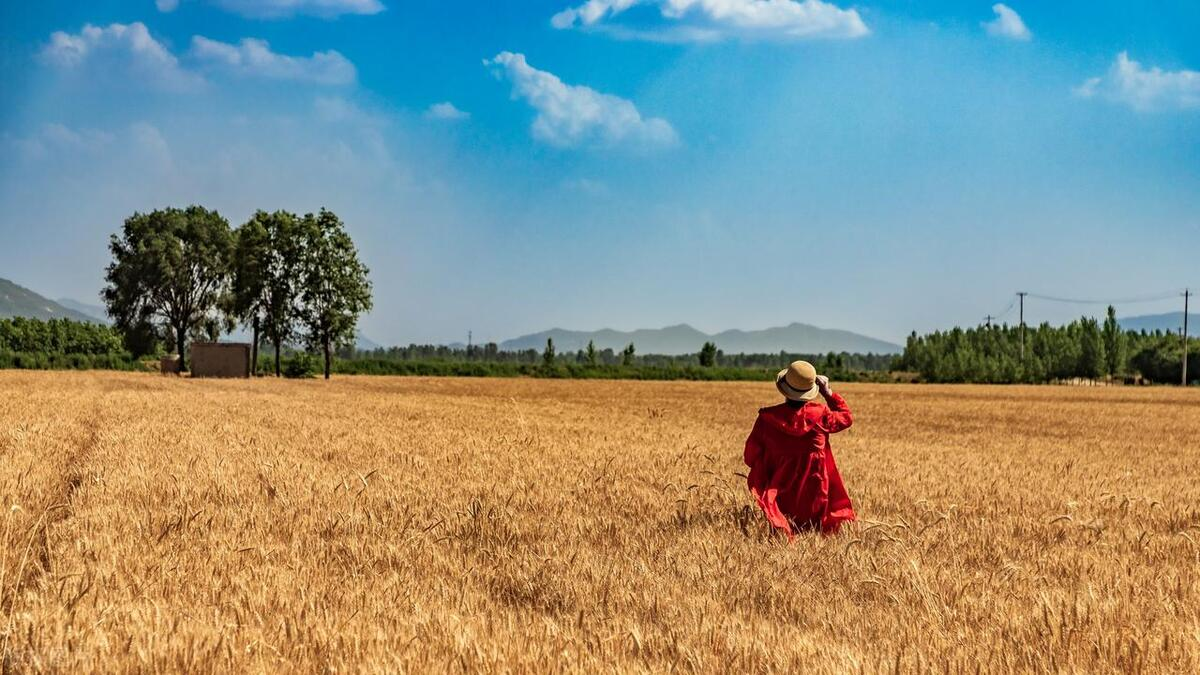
[[1167, 295], [1003, 313]]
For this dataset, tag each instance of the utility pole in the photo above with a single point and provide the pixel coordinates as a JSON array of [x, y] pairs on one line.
[[989, 318], [1186, 294], [1022, 295]]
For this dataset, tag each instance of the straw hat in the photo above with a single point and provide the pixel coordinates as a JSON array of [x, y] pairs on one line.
[[798, 382]]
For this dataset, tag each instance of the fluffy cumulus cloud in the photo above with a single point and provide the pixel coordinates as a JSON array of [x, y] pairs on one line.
[[254, 58], [446, 111], [574, 115], [166, 5], [128, 47], [1007, 24], [280, 9], [704, 20], [130, 53], [1143, 88]]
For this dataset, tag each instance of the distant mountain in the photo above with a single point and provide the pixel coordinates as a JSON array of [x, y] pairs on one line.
[[240, 334], [97, 312], [364, 343], [17, 300], [1171, 322], [797, 338]]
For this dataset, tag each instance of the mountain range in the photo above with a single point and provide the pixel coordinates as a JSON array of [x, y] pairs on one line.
[[797, 338], [96, 311], [1171, 322], [16, 300]]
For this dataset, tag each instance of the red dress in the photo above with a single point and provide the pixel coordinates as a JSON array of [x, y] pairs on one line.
[[792, 473]]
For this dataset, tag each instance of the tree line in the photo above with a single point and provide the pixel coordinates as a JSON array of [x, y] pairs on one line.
[[1085, 349], [184, 274], [592, 357], [61, 344], [1082, 349], [58, 336]]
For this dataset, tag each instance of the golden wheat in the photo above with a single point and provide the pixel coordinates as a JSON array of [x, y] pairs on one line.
[[528, 525]]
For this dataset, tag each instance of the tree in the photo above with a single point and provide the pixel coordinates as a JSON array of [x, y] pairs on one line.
[[267, 277], [591, 353], [144, 338], [170, 269], [334, 289], [627, 355], [548, 353], [1091, 347], [250, 250], [1114, 344], [708, 355]]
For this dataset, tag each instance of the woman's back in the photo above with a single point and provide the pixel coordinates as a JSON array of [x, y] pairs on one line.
[[793, 476]]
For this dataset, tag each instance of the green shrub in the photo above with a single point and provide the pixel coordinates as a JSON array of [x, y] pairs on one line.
[[300, 365]]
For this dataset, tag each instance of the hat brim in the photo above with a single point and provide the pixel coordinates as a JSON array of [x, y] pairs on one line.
[[791, 393]]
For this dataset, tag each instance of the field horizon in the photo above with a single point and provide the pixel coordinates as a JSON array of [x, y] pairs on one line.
[[415, 524]]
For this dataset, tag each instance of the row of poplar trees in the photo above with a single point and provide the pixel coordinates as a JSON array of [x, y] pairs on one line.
[[1085, 348], [184, 273]]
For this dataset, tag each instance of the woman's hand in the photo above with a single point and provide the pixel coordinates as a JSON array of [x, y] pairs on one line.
[[823, 385]]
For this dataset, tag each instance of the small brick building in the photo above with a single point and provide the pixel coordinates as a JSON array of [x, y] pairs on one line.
[[220, 359]]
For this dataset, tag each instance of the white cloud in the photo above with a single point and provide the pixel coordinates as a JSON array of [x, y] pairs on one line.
[[573, 115], [707, 20], [252, 57], [82, 139], [590, 12], [336, 109], [279, 9], [129, 53], [59, 144], [1143, 88], [129, 45], [55, 138], [446, 111], [166, 5], [1007, 24]]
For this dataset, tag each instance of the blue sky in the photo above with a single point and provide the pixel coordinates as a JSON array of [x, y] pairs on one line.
[[507, 167]]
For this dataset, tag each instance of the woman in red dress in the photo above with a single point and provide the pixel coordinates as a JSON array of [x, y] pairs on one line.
[[792, 473]]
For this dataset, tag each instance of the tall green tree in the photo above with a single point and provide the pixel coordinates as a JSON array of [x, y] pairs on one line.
[[267, 277], [170, 269], [708, 355], [1091, 347], [548, 353], [334, 287], [592, 356], [1114, 344], [250, 249]]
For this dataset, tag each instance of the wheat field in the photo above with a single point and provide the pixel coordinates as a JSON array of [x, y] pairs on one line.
[[389, 524]]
